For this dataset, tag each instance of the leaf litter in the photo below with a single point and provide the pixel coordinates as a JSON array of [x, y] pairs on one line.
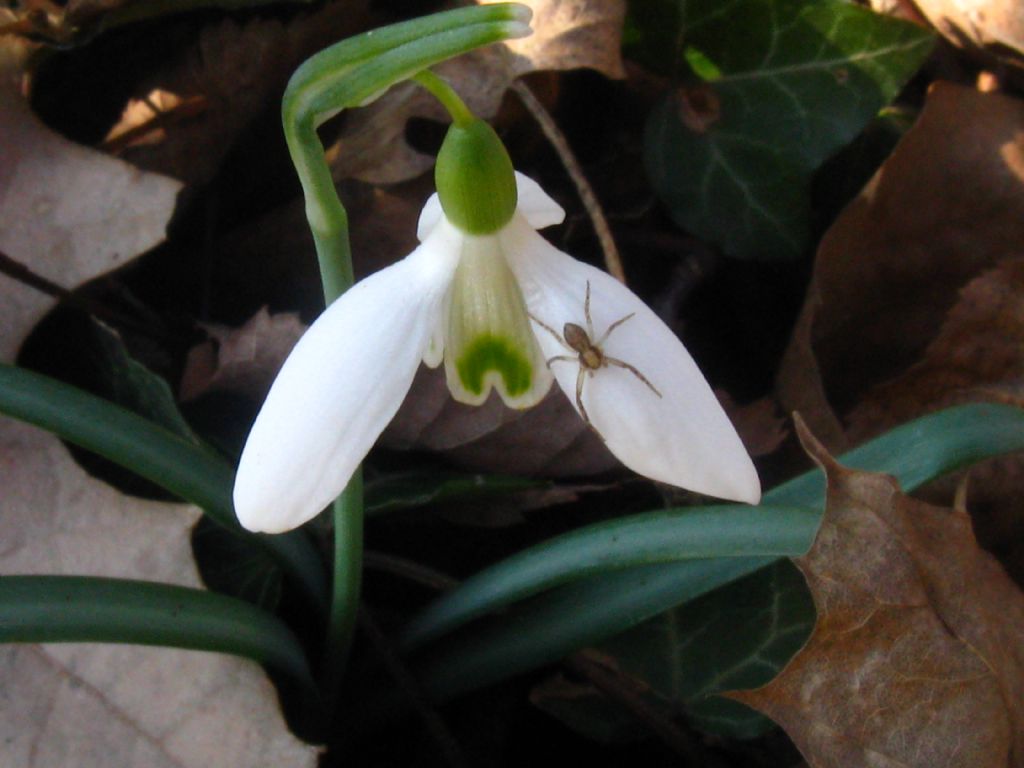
[[218, 89], [915, 658], [73, 214]]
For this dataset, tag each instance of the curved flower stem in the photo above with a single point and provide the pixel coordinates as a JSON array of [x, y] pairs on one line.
[[444, 93], [352, 73]]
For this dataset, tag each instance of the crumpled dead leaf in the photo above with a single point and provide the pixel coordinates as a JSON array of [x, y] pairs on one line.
[[568, 34], [994, 26], [548, 440], [233, 73], [901, 9], [947, 205], [975, 357], [916, 657], [71, 214], [244, 359]]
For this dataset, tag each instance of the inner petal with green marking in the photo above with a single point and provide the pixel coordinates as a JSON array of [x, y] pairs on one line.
[[488, 338]]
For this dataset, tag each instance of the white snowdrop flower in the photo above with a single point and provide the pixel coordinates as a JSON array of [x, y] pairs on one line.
[[498, 304]]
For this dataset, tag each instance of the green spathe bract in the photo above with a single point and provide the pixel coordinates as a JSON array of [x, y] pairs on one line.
[[493, 353], [475, 180]]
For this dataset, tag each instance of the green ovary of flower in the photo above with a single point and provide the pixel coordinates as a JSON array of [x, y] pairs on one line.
[[492, 353]]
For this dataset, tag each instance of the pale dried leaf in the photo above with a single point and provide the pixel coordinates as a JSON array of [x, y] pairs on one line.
[[68, 213], [915, 659], [72, 214], [571, 34], [994, 26], [901, 9]]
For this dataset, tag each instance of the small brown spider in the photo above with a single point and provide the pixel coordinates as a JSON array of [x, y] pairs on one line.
[[589, 354]]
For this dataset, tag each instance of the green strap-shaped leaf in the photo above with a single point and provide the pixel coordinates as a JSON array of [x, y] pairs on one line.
[[734, 530], [75, 609], [187, 469], [769, 90], [597, 607]]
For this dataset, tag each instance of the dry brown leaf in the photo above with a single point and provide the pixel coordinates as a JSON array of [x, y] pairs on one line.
[[568, 34], [994, 26], [946, 206], [244, 359], [901, 9], [760, 424], [72, 214], [978, 354], [915, 659], [235, 72], [548, 440]]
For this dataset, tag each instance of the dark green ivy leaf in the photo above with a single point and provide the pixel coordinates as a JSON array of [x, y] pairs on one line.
[[734, 637], [129, 383], [766, 91]]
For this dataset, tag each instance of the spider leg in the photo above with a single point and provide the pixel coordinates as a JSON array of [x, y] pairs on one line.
[[552, 331], [561, 358], [612, 327], [586, 313], [634, 371], [580, 378]]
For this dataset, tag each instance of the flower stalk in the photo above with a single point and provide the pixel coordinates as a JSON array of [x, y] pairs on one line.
[[349, 74]]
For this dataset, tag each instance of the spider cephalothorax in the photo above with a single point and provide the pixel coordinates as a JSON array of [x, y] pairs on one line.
[[589, 353]]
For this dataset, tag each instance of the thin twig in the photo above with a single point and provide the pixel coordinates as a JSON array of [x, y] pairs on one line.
[[409, 569], [436, 727], [19, 272], [621, 690], [554, 135]]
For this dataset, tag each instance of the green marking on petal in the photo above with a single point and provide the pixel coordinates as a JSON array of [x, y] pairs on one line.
[[493, 353]]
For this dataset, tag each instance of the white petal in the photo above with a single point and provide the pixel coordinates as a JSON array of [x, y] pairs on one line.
[[339, 388], [681, 437], [534, 204], [429, 216]]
